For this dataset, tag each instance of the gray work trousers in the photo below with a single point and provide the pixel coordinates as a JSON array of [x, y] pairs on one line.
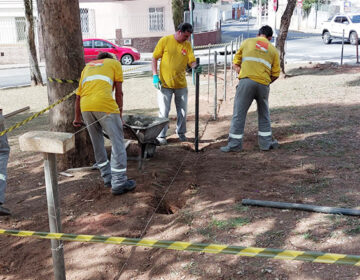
[[164, 101], [246, 91], [4, 157], [113, 172]]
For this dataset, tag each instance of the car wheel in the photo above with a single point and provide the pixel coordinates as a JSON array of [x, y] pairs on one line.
[[127, 59], [353, 38], [326, 38]]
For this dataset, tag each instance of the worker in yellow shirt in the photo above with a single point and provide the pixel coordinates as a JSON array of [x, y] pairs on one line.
[[102, 113], [176, 53], [258, 65]]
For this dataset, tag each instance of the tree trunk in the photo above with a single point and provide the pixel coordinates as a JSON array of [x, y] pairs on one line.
[[178, 12], [284, 28], [64, 57], [35, 74]]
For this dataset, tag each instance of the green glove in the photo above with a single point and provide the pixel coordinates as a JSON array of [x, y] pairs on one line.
[[156, 81], [198, 69]]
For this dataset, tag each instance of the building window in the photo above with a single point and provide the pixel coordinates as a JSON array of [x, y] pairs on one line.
[[20, 29], [156, 19], [84, 20]]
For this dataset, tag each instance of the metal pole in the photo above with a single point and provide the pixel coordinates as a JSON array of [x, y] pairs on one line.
[[231, 65], [197, 90], [357, 48], [192, 34], [209, 73], [215, 83], [236, 43], [248, 19], [57, 249], [304, 207], [225, 66], [342, 47]]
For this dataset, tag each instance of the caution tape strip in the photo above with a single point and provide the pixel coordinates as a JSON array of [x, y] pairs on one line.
[[316, 257], [68, 81], [62, 81], [36, 114], [54, 104]]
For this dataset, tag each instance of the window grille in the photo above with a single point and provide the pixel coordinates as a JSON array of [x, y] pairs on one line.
[[156, 19], [84, 20]]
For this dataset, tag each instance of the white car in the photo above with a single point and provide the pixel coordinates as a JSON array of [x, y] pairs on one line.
[[335, 26]]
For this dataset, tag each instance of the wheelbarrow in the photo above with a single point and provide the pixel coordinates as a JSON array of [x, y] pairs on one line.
[[144, 129]]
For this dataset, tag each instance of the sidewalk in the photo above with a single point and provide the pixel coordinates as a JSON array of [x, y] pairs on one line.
[[143, 57]]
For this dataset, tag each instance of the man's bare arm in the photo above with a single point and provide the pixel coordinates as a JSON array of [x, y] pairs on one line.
[[237, 68], [154, 63], [273, 79], [77, 121], [119, 96]]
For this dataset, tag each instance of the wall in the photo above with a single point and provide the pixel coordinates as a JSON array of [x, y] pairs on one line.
[[132, 17], [147, 44]]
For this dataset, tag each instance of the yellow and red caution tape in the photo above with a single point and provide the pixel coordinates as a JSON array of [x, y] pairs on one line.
[[36, 114], [315, 257]]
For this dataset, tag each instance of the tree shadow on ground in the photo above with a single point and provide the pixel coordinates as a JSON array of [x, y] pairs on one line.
[[322, 69], [317, 163]]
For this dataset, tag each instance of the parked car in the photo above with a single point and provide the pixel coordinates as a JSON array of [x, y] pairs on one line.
[[334, 27], [243, 18], [92, 47]]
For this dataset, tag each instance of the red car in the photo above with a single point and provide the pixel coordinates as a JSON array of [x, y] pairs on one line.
[[92, 47]]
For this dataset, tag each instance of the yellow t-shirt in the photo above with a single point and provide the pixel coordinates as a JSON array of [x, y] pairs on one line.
[[259, 60], [96, 85], [174, 58]]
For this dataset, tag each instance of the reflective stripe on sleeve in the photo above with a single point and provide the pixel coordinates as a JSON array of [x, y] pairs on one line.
[[235, 136], [2, 177], [264, 133], [103, 164], [118, 170], [256, 59], [98, 77]]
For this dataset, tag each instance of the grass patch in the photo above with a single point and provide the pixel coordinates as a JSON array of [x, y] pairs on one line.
[[309, 236], [231, 223], [241, 208], [353, 231], [186, 217], [312, 186]]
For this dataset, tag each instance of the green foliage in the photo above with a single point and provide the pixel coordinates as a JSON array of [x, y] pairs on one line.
[[179, 6], [207, 1], [307, 4], [231, 223], [255, 2], [178, 12]]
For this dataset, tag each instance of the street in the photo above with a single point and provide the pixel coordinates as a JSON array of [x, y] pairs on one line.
[[300, 47]]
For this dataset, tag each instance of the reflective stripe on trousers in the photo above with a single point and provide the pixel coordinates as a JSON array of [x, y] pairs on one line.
[[112, 125]]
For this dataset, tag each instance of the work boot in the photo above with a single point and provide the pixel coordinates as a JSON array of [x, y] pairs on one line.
[[182, 138], [4, 211], [129, 185], [227, 149], [272, 146], [162, 141]]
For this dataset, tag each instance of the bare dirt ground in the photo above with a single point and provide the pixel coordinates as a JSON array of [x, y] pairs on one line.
[[315, 116]]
